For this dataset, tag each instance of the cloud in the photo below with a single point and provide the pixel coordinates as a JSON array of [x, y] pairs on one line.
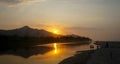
[[83, 28], [19, 2]]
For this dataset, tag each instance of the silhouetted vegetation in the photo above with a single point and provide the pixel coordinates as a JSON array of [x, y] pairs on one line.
[[16, 41], [26, 46], [27, 37]]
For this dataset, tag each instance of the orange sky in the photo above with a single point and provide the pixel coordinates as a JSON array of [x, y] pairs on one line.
[[91, 18]]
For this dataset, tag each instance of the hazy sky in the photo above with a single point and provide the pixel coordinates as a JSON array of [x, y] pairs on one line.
[[98, 19]]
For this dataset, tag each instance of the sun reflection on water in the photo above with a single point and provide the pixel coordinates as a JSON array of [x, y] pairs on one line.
[[55, 48]]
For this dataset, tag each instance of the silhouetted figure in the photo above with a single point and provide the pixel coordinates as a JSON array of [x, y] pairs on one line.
[[106, 45], [92, 47]]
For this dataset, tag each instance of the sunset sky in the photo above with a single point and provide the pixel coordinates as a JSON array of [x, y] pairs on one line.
[[97, 19]]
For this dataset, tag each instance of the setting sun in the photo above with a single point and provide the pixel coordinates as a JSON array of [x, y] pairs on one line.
[[55, 31]]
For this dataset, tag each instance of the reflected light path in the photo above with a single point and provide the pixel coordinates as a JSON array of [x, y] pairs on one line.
[[55, 48]]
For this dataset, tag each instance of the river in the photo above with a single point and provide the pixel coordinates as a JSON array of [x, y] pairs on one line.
[[58, 52]]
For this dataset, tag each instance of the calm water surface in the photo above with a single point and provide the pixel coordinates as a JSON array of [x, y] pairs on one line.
[[60, 51]]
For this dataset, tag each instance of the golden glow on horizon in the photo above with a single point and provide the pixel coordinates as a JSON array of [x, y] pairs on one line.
[[55, 48], [55, 31]]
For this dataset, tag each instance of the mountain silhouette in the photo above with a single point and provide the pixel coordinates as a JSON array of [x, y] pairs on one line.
[[24, 41], [29, 36], [26, 31]]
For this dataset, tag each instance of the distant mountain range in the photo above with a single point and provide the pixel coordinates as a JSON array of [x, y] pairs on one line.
[[26, 36], [26, 31]]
